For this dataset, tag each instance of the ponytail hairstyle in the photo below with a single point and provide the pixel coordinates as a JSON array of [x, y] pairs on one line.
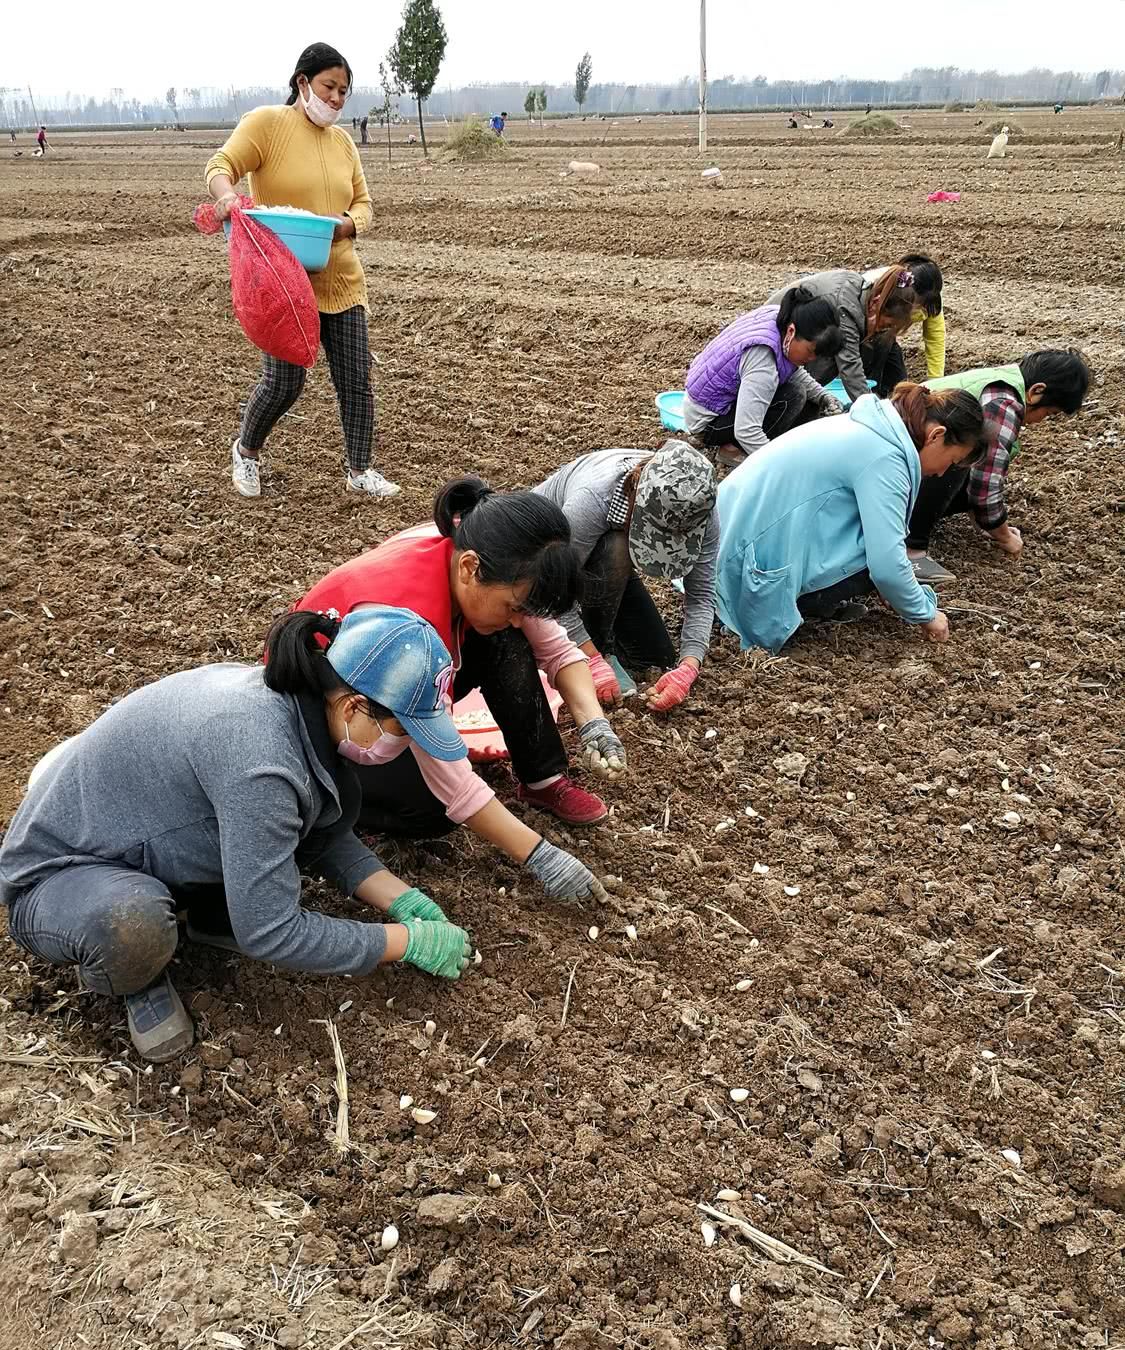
[[315, 58], [815, 320], [927, 281], [297, 659], [954, 409], [893, 296], [518, 537]]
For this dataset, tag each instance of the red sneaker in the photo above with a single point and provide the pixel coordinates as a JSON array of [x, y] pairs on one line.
[[565, 799]]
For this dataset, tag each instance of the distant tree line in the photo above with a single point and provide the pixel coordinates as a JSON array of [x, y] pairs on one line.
[[924, 85]]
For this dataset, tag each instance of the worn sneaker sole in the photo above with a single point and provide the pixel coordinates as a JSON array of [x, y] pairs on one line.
[[168, 1040]]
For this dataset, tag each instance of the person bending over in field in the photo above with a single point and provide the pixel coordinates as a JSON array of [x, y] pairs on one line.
[[927, 283], [818, 518], [214, 789], [872, 315], [1044, 384], [749, 385], [633, 513], [296, 155], [489, 574]]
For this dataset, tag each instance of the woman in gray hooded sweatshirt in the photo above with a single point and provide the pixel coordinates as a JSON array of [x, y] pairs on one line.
[[213, 790]]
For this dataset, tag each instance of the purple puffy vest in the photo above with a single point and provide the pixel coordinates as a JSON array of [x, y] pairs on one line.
[[712, 380]]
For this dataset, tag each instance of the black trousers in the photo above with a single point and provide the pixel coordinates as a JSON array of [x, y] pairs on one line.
[[947, 495], [884, 363], [502, 665], [620, 615], [787, 408], [824, 603]]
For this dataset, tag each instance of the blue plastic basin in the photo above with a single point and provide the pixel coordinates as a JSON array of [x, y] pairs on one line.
[[670, 406], [837, 390], [308, 238]]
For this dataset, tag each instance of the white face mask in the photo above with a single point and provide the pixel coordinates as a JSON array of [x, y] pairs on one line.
[[319, 113]]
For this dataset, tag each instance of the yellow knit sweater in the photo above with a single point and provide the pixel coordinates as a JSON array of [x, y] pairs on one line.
[[291, 162]]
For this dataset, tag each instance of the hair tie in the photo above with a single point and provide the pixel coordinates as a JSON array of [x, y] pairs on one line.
[[907, 279]]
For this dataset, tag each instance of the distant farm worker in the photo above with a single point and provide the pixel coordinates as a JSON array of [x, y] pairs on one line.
[[872, 314], [749, 385], [634, 514], [818, 519], [363, 129], [927, 282], [499, 123], [489, 574], [1044, 384], [41, 140], [213, 789], [295, 155]]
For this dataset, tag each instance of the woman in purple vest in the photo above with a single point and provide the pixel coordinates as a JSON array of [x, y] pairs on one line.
[[747, 386]]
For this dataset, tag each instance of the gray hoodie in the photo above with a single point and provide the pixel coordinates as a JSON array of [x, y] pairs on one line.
[[849, 292], [203, 778]]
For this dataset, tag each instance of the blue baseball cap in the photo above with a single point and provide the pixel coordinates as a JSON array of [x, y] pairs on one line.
[[397, 660]]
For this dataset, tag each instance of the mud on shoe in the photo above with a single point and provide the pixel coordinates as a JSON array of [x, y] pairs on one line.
[[245, 473], [158, 1022]]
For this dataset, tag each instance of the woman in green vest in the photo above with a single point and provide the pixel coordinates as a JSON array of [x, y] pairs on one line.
[[1044, 384]]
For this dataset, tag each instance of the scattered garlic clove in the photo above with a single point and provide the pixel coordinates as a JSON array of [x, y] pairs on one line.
[[592, 932], [710, 734], [477, 958], [792, 890], [389, 1239], [1005, 785], [760, 869], [1011, 1155], [709, 1234], [849, 796], [753, 943], [422, 1116], [405, 1102], [1012, 817], [430, 1028], [736, 1295], [631, 932], [988, 1054], [751, 813], [742, 986], [494, 1183], [727, 1194], [345, 1006], [502, 891], [739, 1094]]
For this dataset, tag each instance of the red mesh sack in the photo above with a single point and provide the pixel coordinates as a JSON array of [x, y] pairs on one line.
[[272, 296]]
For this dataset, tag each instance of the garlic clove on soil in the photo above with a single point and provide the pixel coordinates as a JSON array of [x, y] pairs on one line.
[[760, 869], [430, 1028], [592, 932], [422, 1116], [735, 1295], [389, 1239], [727, 1194], [477, 958], [1011, 1155], [709, 1234], [742, 986], [631, 932], [405, 1102], [494, 1182], [739, 1094], [792, 890]]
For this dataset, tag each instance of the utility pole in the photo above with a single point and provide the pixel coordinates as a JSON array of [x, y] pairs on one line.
[[34, 109], [702, 77]]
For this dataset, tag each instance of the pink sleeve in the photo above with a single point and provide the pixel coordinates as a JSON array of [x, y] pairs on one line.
[[455, 784], [551, 644]]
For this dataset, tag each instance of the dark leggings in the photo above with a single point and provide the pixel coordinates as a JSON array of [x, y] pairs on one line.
[[787, 408], [502, 665], [618, 612], [344, 337], [938, 497], [825, 603], [884, 363]]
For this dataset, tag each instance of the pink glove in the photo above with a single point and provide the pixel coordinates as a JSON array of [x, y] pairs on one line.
[[605, 681], [672, 687]]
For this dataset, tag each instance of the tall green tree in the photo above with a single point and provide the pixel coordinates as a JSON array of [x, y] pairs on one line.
[[582, 80], [417, 53], [391, 88], [541, 102], [530, 103]]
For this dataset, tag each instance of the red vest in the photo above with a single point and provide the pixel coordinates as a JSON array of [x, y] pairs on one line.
[[410, 570]]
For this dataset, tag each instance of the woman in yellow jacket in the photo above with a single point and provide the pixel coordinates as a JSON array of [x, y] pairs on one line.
[[295, 155], [927, 285]]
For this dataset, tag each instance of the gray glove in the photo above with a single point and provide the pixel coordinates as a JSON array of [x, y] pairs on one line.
[[561, 875], [601, 750], [830, 406]]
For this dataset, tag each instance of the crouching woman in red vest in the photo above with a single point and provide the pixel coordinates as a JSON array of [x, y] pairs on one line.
[[489, 574]]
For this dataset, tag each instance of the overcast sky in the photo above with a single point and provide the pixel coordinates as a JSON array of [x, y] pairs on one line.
[[143, 46]]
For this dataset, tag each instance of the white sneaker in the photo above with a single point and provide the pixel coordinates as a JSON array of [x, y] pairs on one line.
[[244, 472], [373, 483]]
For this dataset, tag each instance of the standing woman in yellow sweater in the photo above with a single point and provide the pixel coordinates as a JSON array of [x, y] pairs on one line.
[[296, 155]]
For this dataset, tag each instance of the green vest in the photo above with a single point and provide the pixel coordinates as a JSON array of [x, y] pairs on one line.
[[976, 381]]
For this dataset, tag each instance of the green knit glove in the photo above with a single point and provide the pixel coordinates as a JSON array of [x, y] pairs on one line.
[[415, 904], [437, 948]]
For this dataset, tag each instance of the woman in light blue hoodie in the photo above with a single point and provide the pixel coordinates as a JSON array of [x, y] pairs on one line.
[[819, 517]]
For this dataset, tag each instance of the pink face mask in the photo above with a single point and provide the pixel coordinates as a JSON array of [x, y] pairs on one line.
[[319, 113], [386, 748]]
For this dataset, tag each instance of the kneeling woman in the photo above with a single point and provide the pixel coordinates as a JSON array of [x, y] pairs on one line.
[[213, 789], [749, 385], [630, 512], [488, 574], [820, 517]]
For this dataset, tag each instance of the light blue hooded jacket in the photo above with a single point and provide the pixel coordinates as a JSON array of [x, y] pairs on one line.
[[815, 506]]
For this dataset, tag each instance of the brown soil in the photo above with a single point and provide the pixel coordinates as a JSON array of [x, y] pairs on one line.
[[947, 983]]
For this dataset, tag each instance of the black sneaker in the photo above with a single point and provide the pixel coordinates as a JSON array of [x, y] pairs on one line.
[[158, 1022]]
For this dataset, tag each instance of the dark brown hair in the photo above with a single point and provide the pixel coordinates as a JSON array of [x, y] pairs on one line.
[[891, 298], [954, 409]]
